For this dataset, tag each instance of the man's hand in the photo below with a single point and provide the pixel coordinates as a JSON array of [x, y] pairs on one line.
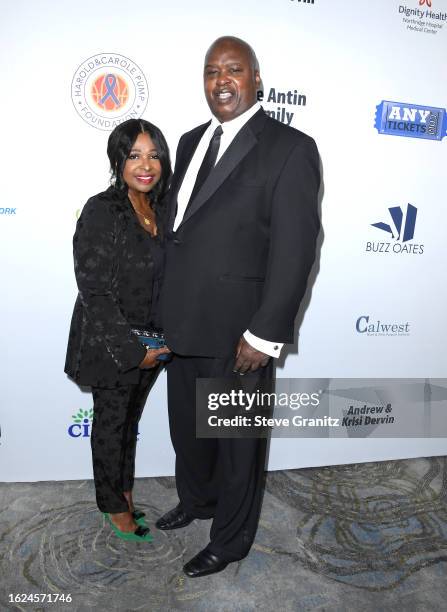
[[150, 361], [248, 359]]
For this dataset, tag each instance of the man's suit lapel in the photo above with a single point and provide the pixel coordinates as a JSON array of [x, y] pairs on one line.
[[244, 141], [182, 162]]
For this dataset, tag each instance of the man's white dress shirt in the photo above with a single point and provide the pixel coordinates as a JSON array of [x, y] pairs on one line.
[[230, 129]]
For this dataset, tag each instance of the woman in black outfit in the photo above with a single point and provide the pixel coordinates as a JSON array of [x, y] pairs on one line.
[[118, 260]]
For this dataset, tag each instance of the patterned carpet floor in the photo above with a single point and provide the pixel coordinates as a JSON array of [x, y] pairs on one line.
[[362, 538]]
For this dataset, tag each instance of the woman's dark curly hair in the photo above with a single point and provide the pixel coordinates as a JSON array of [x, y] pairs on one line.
[[119, 146]]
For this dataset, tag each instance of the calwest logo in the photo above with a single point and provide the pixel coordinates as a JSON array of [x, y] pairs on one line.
[[410, 120], [401, 228], [107, 89], [365, 325], [81, 426]]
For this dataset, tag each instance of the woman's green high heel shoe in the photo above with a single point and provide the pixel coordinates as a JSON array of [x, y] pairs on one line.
[[141, 533], [139, 518]]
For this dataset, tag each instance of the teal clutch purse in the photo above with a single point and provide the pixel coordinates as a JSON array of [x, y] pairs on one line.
[[152, 339]]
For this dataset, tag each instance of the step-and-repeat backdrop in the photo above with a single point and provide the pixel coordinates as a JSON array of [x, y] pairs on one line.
[[366, 80]]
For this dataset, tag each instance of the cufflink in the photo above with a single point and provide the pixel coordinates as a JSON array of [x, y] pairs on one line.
[[276, 347]]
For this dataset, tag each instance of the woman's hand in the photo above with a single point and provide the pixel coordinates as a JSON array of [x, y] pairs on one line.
[[150, 361]]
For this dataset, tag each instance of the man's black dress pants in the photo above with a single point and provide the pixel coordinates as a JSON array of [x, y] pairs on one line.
[[219, 478]]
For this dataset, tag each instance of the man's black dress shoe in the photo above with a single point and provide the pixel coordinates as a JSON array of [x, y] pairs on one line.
[[203, 564], [174, 519]]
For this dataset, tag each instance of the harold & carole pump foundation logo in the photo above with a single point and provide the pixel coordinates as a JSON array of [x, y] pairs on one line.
[[107, 89]]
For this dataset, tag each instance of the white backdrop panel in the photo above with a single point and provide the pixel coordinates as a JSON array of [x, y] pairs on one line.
[[345, 58]]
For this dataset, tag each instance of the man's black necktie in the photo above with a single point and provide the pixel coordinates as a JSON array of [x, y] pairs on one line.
[[208, 163]]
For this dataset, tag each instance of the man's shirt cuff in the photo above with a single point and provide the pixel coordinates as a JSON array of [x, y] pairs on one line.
[[265, 346]]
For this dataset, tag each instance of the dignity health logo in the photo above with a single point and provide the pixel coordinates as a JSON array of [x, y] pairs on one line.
[[107, 89], [401, 228], [423, 20], [410, 120]]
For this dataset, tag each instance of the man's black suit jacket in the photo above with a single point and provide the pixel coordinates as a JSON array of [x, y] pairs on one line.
[[241, 257]]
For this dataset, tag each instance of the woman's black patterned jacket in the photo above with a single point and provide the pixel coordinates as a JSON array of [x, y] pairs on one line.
[[118, 268]]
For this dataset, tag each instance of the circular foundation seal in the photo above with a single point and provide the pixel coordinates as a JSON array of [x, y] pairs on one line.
[[107, 89]]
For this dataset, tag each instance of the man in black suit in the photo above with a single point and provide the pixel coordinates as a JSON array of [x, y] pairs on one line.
[[243, 231]]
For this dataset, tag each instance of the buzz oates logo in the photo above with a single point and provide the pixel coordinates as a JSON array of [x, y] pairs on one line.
[[107, 89], [400, 229], [82, 423], [423, 17]]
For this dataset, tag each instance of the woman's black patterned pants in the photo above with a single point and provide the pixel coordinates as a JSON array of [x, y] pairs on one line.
[[116, 414]]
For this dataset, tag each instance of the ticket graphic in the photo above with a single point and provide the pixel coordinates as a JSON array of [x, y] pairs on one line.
[[411, 120]]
